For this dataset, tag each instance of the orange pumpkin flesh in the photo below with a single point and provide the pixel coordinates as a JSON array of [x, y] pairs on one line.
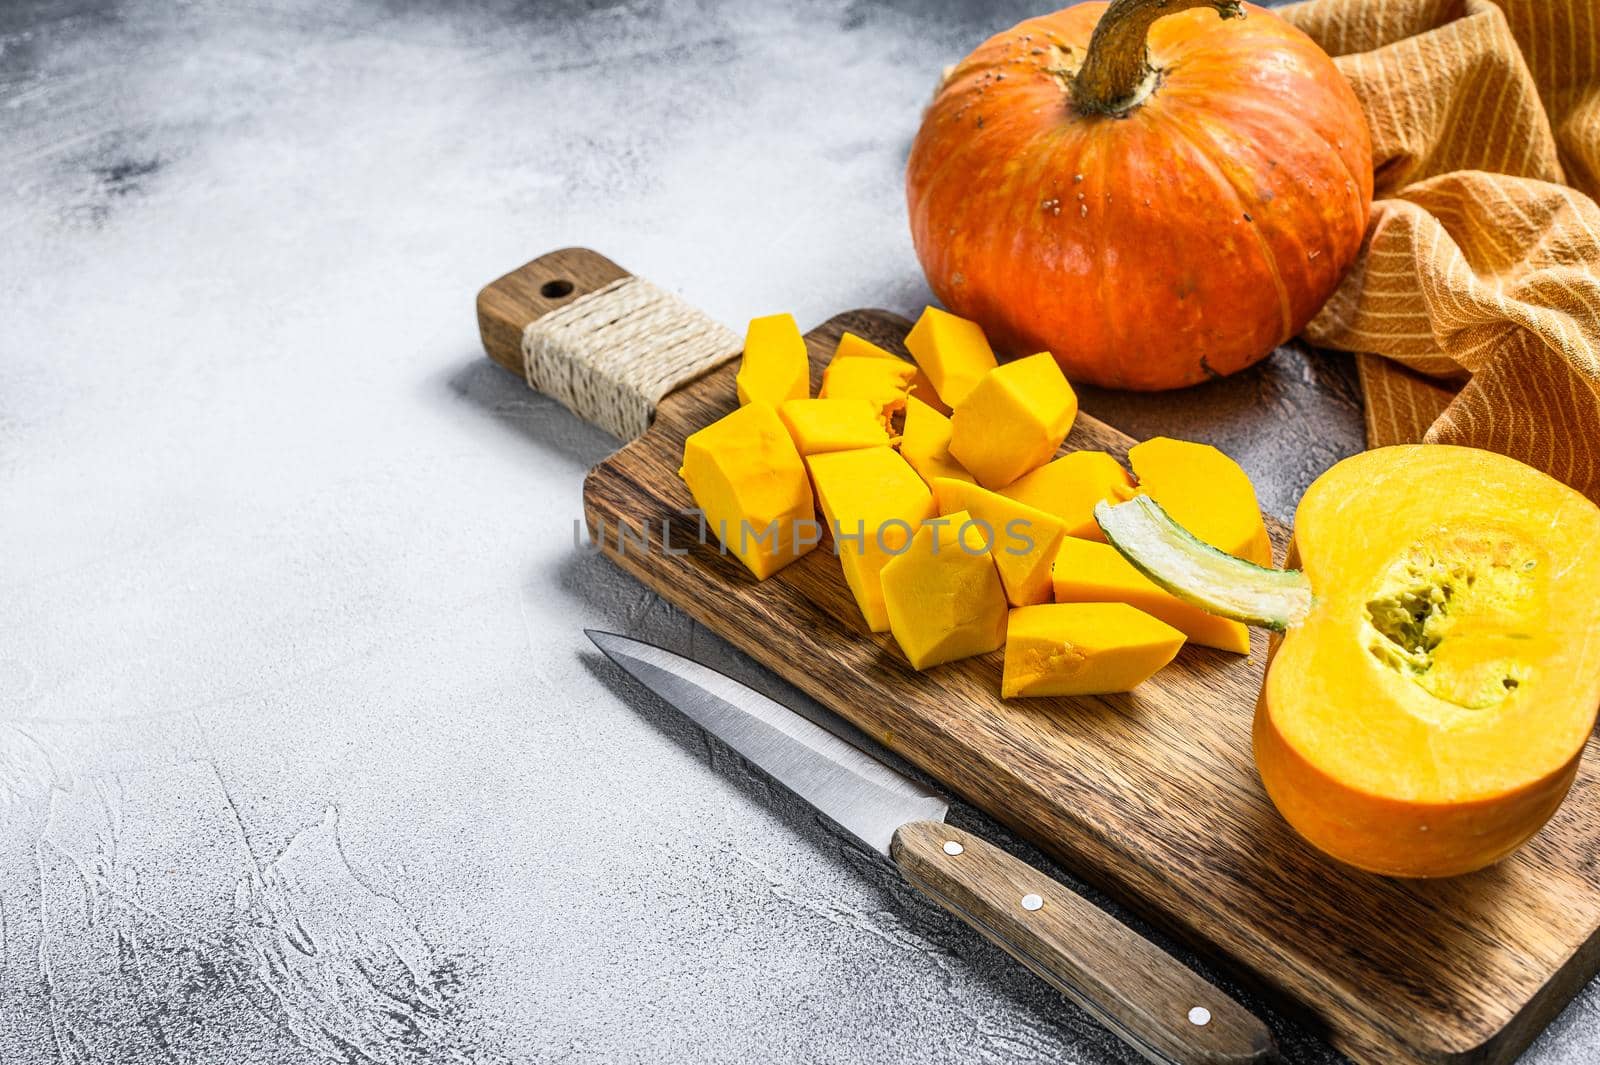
[[1439, 674], [1428, 715], [1202, 221]]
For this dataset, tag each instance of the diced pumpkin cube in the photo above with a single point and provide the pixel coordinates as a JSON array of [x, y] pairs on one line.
[[775, 366], [1070, 486], [872, 501], [854, 347], [1083, 649], [821, 425], [943, 595], [1024, 539], [922, 388], [925, 443], [1089, 572], [750, 483], [1013, 420], [882, 382], [1206, 492], [952, 351]]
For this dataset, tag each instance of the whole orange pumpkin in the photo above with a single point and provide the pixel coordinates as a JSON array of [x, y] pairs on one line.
[[1154, 194]]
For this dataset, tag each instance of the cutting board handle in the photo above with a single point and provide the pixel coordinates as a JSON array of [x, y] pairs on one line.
[[607, 344]]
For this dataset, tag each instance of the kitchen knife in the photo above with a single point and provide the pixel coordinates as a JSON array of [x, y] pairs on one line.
[[1143, 995]]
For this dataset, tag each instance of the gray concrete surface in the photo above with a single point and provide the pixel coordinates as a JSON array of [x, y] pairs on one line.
[[302, 754]]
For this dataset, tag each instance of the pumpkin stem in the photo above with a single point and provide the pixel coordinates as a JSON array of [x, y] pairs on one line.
[[1116, 74]]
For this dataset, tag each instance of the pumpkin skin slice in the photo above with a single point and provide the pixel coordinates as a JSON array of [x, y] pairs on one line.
[[774, 367], [1172, 558]]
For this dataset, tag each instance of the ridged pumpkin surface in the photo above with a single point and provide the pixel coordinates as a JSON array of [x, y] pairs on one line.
[[1152, 249]]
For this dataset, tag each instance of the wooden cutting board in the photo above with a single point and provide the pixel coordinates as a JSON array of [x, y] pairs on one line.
[[1151, 796]]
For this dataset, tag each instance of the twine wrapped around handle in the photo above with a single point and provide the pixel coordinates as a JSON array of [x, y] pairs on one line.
[[606, 344], [610, 356]]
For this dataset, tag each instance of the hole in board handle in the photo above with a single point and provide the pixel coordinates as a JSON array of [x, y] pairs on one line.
[[555, 290]]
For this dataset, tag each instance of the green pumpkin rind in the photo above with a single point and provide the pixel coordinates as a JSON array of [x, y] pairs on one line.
[[1199, 574]]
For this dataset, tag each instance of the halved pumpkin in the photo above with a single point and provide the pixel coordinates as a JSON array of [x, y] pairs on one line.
[[1424, 711]]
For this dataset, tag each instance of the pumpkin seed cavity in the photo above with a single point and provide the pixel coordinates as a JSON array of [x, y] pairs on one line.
[[1453, 614]]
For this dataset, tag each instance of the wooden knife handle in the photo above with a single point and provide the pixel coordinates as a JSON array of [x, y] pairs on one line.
[[1149, 999], [605, 343]]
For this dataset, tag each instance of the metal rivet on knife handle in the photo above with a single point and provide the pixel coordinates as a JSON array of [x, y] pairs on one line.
[[1122, 979], [952, 848], [1199, 1016]]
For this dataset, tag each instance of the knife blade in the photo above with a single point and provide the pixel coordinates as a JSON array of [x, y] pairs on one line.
[[1155, 1004]]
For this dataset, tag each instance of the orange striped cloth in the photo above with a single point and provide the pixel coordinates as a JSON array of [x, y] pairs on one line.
[[1476, 303]]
